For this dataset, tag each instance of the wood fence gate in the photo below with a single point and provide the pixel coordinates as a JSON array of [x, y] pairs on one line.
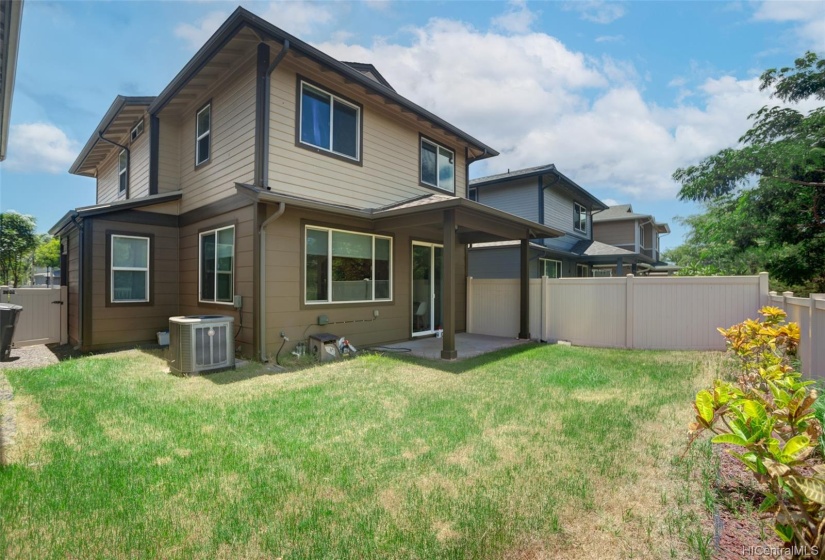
[[44, 317]]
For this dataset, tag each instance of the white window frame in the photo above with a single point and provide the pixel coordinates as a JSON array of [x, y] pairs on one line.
[[602, 270], [329, 301], [437, 177], [200, 266], [202, 135], [586, 270], [136, 131], [114, 268], [559, 267], [122, 172], [334, 99], [578, 210]]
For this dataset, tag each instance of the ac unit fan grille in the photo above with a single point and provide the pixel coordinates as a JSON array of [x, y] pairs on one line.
[[210, 349]]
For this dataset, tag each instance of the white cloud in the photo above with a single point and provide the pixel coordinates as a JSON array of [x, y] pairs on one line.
[[196, 34], [40, 148], [517, 19], [538, 102], [610, 201], [298, 17], [809, 15], [596, 11], [610, 39]]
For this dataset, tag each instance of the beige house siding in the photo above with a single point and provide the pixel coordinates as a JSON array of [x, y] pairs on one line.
[[168, 157], [620, 233], [243, 220], [107, 180], [390, 148], [139, 164], [129, 324], [233, 141], [285, 308]]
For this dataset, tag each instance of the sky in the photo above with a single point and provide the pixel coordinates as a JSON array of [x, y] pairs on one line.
[[617, 94]]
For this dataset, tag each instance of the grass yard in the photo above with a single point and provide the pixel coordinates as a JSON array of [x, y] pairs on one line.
[[533, 452]]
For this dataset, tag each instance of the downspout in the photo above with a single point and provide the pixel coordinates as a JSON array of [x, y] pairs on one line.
[[128, 159], [262, 292], [264, 183]]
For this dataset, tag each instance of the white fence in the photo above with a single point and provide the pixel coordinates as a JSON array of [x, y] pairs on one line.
[[43, 319], [809, 313], [664, 313]]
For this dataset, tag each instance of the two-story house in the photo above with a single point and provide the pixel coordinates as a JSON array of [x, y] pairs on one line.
[[273, 183], [638, 233], [544, 195]]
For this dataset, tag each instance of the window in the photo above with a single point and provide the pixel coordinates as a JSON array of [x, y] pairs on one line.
[[474, 194], [329, 123], [602, 272], [579, 217], [437, 166], [122, 171], [203, 135], [551, 268], [581, 271], [217, 259], [136, 131], [344, 266], [129, 269]]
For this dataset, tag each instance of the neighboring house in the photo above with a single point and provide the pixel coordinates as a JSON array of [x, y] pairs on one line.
[[637, 233], [11, 16], [45, 276], [273, 183], [544, 195]]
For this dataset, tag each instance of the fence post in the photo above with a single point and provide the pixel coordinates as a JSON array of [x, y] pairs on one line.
[[785, 296], [817, 338], [628, 329], [470, 326], [764, 295]]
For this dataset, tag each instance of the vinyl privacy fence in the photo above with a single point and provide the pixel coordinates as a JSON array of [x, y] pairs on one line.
[[649, 312]]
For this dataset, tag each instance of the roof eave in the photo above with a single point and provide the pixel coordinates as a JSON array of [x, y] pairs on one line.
[[12, 24]]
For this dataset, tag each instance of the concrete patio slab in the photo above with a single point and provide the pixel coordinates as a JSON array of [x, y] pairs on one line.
[[467, 345]]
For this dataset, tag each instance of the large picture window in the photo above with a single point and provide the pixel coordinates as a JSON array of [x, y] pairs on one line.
[[329, 123], [129, 269], [579, 217], [203, 135], [344, 266], [217, 265], [550, 268], [437, 166]]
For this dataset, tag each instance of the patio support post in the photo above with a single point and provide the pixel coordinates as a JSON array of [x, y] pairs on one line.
[[524, 315], [619, 267], [448, 351]]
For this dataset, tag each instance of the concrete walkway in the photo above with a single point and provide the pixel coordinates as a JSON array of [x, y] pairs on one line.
[[467, 345]]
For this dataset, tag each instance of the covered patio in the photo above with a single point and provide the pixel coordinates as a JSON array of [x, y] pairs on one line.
[[467, 345]]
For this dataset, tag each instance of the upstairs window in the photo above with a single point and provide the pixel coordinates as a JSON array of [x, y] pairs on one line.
[[203, 135], [137, 130], [122, 172], [579, 217], [437, 166], [329, 123], [217, 265]]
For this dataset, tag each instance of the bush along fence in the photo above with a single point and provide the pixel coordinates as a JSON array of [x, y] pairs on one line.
[[765, 413], [646, 312]]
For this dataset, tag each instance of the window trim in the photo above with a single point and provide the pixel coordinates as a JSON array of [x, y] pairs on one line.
[[586, 270], [198, 137], [421, 139], [108, 299], [123, 173], [329, 301], [359, 136], [209, 231], [559, 268], [577, 212], [134, 136]]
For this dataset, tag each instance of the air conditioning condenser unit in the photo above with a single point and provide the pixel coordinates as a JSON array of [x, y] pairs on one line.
[[200, 343]]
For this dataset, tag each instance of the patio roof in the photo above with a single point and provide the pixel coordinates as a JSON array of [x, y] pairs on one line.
[[128, 204]]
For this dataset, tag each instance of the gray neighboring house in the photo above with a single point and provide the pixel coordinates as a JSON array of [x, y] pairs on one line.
[[546, 196], [637, 233], [11, 16]]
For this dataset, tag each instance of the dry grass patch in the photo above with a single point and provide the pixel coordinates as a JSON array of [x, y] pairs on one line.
[[32, 433]]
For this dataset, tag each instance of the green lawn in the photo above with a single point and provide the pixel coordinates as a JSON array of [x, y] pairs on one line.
[[538, 451]]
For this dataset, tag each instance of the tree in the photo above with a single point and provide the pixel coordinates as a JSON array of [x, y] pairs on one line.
[[47, 252], [765, 198], [17, 241]]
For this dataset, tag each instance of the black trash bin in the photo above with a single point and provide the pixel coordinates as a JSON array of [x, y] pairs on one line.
[[9, 313]]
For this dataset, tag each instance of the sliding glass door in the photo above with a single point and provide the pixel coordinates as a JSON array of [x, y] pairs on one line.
[[427, 287]]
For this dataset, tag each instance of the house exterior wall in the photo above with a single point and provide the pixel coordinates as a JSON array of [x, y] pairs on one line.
[[504, 262], [621, 233], [107, 175], [72, 273], [285, 307], [559, 213], [243, 220], [389, 171], [519, 197], [168, 156], [122, 324]]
